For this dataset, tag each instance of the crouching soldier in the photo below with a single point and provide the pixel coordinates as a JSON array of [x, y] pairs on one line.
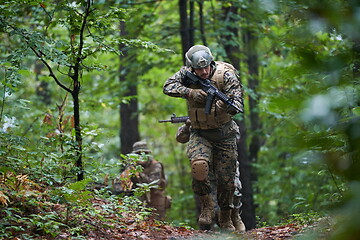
[[153, 171]]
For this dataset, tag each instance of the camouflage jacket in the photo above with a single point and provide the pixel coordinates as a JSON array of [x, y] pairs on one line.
[[152, 171], [175, 86]]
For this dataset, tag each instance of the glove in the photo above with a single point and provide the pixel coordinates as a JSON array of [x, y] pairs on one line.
[[221, 106], [186, 127], [188, 123], [198, 95]]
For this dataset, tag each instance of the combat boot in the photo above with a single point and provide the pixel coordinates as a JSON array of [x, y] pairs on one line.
[[207, 212], [225, 222], [237, 221]]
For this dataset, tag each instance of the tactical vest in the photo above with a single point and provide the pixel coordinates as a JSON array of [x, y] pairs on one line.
[[217, 117]]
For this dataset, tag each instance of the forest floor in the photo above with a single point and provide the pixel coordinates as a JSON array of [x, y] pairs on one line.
[[128, 225], [128, 228], [153, 230]]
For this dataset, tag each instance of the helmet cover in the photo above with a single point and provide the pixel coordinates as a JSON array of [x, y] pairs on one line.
[[198, 56], [140, 147]]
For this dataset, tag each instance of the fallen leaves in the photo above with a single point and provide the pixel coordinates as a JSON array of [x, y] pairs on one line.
[[277, 232], [106, 222]]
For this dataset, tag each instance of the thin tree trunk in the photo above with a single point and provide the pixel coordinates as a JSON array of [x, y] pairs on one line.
[[78, 137], [75, 94]]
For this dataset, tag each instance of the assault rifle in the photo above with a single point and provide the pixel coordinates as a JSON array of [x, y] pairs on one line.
[[175, 119], [211, 91]]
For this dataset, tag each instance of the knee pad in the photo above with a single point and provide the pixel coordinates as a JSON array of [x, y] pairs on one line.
[[199, 169]]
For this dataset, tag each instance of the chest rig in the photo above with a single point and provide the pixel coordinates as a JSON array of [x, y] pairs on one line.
[[217, 117]]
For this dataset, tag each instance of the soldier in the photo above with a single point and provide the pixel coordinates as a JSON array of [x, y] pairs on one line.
[[212, 136], [152, 171], [183, 136]]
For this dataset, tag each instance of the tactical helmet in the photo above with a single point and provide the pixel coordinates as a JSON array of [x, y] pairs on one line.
[[198, 56], [140, 147]]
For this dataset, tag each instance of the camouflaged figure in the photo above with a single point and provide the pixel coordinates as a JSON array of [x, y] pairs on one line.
[[212, 141], [152, 171]]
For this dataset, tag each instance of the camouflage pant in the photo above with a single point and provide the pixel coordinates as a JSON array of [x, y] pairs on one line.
[[237, 193], [218, 147], [238, 187]]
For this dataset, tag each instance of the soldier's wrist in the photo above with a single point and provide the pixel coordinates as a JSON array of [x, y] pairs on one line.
[[188, 93]]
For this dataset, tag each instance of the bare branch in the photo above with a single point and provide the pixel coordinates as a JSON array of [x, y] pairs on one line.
[[40, 56]]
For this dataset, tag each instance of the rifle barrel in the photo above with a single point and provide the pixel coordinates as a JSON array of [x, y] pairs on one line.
[[161, 121], [175, 119]]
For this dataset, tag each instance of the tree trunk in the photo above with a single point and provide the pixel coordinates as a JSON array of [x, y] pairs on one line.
[[191, 24], [75, 94], [78, 137], [250, 41], [187, 40], [201, 23], [129, 117], [250, 44], [248, 207], [233, 53], [186, 29]]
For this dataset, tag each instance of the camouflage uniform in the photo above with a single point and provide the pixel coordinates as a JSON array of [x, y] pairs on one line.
[[221, 155], [183, 136], [215, 144], [152, 171], [238, 187]]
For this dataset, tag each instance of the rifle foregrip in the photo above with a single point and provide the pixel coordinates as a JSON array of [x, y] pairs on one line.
[[175, 119], [179, 119]]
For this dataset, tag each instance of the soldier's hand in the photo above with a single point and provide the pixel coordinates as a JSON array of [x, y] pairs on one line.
[[188, 123], [221, 106], [198, 95], [186, 126]]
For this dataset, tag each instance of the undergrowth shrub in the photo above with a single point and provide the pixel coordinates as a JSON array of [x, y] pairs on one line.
[[40, 197]]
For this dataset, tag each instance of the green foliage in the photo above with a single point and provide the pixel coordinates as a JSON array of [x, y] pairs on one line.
[[304, 218], [24, 202], [73, 194], [308, 104], [322, 105]]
